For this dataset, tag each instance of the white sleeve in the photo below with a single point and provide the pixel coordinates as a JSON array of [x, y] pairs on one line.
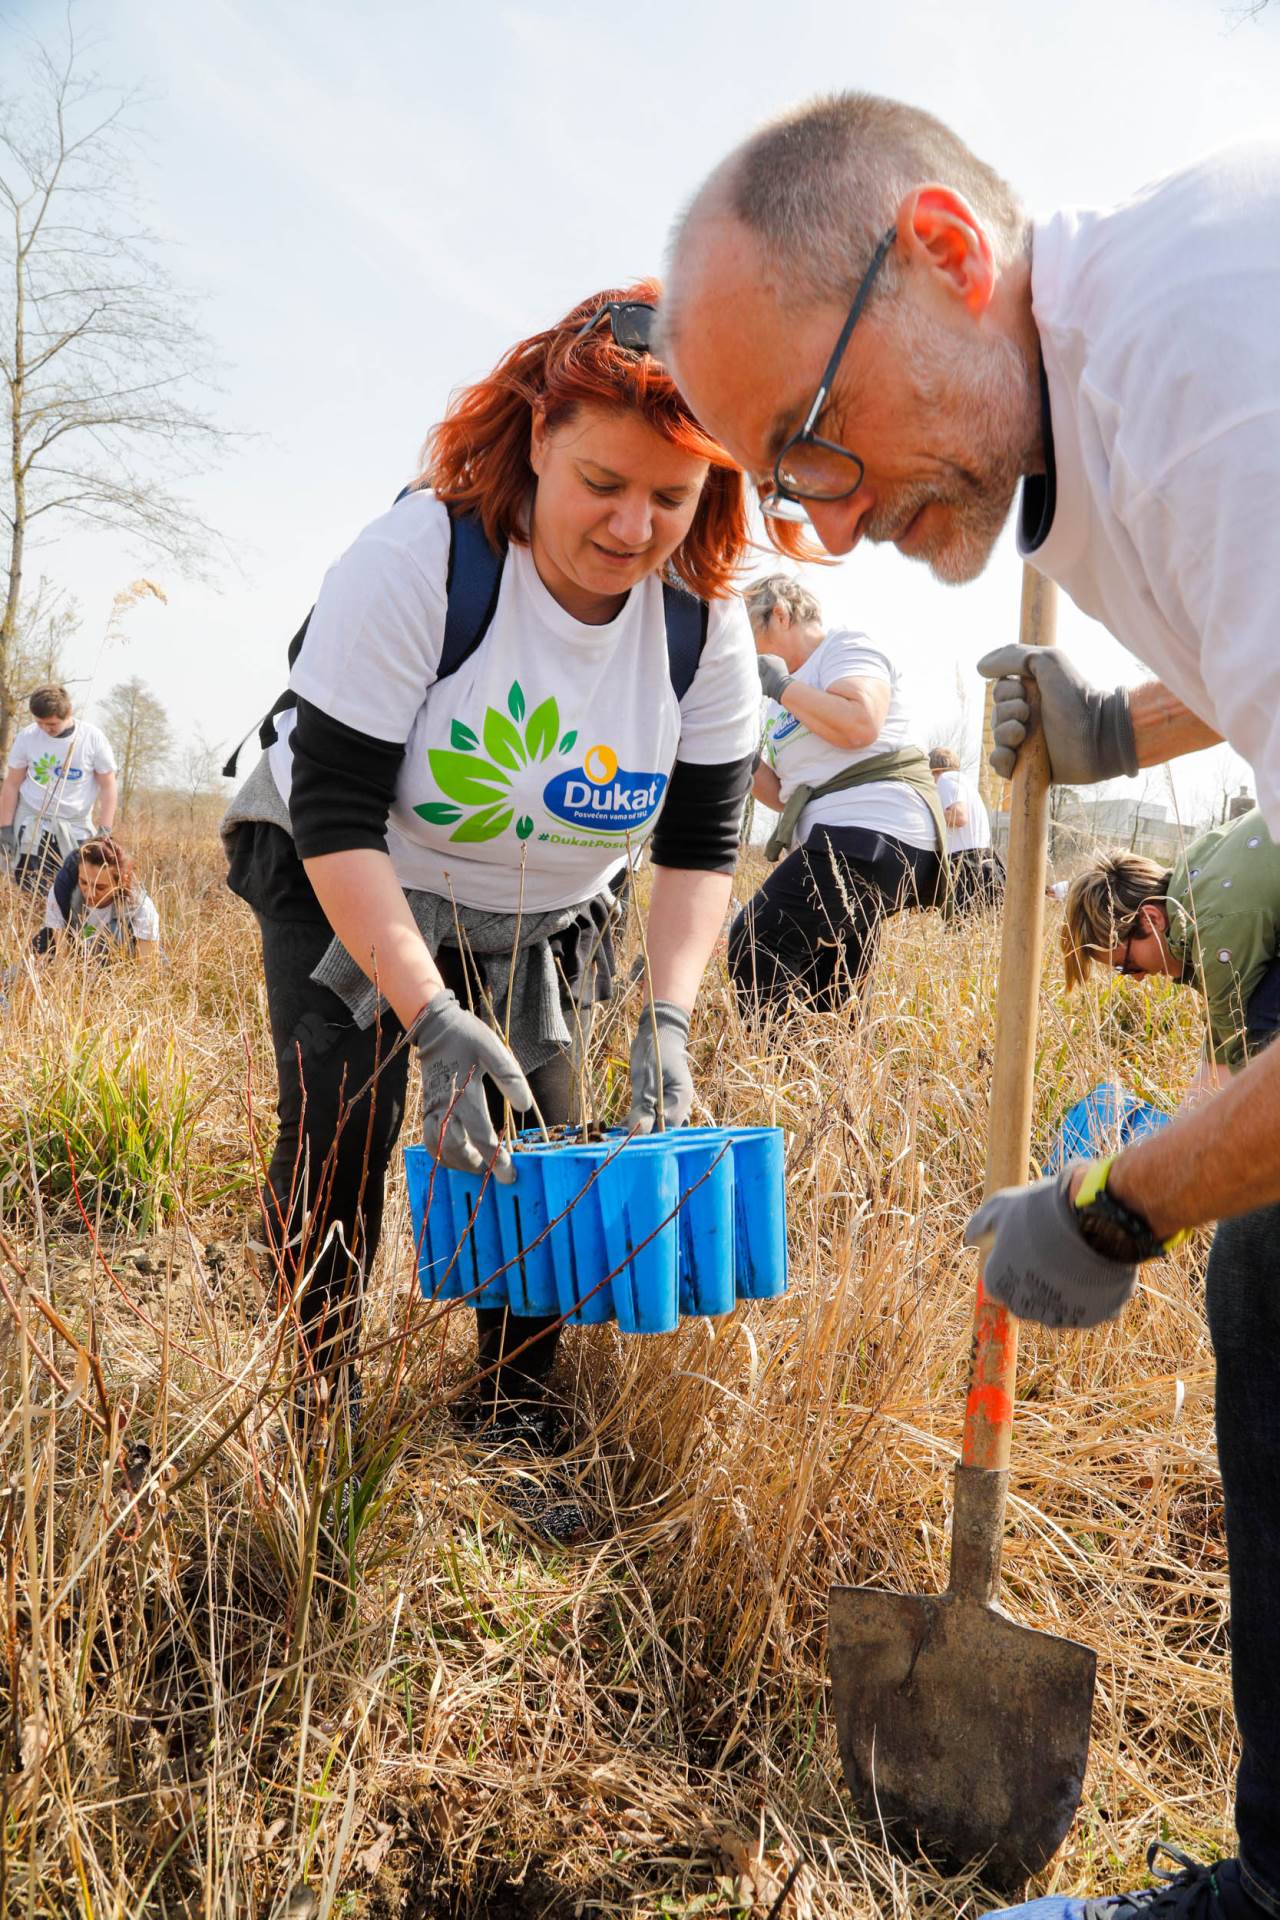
[[950, 790], [144, 921], [53, 915], [851, 656], [20, 751], [100, 757], [374, 638], [1206, 537], [720, 714]]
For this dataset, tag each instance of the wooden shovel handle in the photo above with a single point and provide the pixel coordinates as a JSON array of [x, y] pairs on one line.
[[988, 1419]]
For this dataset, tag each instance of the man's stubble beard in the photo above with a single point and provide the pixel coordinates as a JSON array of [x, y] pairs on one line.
[[985, 398]]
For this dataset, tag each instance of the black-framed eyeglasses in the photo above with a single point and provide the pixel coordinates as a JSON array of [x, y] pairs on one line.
[[630, 321], [809, 467], [1126, 969]]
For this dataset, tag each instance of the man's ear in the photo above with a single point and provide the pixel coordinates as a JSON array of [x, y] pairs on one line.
[[1154, 918], [939, 231]]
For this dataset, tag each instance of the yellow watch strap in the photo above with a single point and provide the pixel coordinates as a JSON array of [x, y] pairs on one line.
[[1094, 1183]]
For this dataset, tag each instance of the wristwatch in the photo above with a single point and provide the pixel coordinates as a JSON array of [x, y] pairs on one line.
[[1113, 1229]]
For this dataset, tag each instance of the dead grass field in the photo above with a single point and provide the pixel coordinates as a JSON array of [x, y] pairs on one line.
[[201, 1709]]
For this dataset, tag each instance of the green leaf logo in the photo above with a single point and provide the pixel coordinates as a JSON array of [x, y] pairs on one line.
[[540, 734], [477, 802], [502, 741], [473, 783], [43, 769], [485, 825], [439, 812]]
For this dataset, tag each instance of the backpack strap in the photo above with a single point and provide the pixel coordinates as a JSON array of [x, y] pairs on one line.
[[687, 619], [471, 590]]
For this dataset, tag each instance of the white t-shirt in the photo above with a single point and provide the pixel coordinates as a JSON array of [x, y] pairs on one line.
[[61, 775], [138, 916], [800, 758], [954, 789], [532, 772], [1159, 322]]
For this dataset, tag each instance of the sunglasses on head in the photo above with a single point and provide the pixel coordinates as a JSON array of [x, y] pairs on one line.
[[630, 322]]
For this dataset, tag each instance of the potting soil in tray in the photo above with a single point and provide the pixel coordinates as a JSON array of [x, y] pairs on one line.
[[640, 1231]]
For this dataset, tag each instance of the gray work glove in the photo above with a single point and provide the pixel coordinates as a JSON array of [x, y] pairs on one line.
[[1089, 734], [668, 1051], [775, 675], [457, 1051], [1040, 1265], [9, 840]]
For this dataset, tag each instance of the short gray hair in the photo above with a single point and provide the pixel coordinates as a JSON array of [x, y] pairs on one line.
[[780, 590], [819, 187]]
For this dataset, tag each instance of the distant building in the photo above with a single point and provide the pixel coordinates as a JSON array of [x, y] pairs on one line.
[[1082, 822], [1240, 803]]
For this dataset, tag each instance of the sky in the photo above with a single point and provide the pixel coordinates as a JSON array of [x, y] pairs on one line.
[[372, 204]]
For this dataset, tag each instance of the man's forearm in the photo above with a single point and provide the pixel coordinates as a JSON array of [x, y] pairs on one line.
[[686, 913], [1220, 1160], [9, 791], [1164, 729]]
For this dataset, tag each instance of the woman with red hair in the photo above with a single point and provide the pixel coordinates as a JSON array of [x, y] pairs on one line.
[[434, 840]]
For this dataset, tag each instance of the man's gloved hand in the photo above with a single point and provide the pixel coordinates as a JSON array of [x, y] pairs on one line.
[[665, 1049], [1040, 1265], [775, 675], [457, 1051], [1089, 734], [9, 840]]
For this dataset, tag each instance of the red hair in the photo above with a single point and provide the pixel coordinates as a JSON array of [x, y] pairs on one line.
[[477, 457]]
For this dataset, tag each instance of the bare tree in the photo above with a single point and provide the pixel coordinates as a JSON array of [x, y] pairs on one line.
[[45, 623], [200, 775], [97, 345], [138, 728]]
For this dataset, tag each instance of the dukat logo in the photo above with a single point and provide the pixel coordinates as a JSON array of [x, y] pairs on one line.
[[480, 803]]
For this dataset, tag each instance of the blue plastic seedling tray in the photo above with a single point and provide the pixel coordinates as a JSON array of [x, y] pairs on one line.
[[638, 1231]]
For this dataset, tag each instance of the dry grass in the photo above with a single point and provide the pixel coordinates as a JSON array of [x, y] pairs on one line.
[[201, 1707]]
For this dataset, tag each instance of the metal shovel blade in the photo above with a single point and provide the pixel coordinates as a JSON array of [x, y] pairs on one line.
[[962, 1734]]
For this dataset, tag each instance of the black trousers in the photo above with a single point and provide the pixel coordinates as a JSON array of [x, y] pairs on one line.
[[1242, 1298], [340, 1106], [977, 879], [813, 928]]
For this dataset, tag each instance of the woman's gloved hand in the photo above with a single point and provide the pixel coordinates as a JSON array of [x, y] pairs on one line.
[[660, 1048], [457, 1051], [775, 675]]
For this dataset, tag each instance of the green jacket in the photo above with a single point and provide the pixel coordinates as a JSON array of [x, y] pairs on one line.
[[1224, 924]]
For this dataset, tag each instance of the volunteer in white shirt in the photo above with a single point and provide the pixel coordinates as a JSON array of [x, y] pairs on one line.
[[1124, 365], [856, 854], [977, 872], [456, 836], [97, 898], [61, 770]]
